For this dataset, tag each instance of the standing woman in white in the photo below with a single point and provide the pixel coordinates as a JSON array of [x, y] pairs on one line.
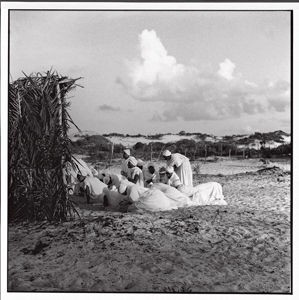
[[181, 165]]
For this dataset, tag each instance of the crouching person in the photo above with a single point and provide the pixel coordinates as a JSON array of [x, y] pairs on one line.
[[92, 187]]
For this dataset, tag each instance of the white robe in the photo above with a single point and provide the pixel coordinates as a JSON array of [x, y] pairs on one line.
[[182, 168], [95, 186], [136, 171]]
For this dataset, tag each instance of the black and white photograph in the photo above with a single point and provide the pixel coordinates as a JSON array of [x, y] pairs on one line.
[[147, 150]]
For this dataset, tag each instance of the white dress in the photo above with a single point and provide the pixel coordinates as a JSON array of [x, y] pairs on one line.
[[182, 168], [136, 171], [95, 186], [161, 197]]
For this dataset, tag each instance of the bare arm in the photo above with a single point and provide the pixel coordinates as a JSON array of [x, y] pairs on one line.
[[136, 178]]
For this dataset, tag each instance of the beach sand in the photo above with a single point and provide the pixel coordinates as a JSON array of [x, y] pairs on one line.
[[240, 248]]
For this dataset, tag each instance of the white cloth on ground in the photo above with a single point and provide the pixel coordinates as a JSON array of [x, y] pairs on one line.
[[135, 191], [162, 197], [209, 193]]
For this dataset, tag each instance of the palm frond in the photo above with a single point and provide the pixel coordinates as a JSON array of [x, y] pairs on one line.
[[38, 126]]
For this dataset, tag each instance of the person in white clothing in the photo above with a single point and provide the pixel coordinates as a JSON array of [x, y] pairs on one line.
[[150, 175], [113, 180], [181, 165], [133, 191], [135, 175], [93, 187], [125, 171], [209, 193]]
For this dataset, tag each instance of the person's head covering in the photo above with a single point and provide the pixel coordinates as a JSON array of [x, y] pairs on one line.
[[169, 169], [166, 153], [94, 171], [122, 188], [106, 179], [127, 151], [101, 176], [133, 161], [150, 164], [140, 163], [162, 170]]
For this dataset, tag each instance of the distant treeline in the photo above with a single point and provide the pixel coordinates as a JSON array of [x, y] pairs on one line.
[[241, 138], [100, 148]]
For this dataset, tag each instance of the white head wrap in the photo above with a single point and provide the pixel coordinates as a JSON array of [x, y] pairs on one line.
[[169, 169], [101, 176], [127, 151], [166, 153], [106, 179]]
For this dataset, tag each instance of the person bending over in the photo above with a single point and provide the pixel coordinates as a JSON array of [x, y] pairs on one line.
[[181, 165]]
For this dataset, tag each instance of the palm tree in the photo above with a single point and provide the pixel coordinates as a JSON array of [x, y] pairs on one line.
[[37, 147]]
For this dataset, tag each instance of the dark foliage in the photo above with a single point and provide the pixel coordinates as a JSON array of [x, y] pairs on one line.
[[37, 147]]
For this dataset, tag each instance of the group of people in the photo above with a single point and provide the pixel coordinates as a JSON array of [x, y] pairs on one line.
[[143, 185]]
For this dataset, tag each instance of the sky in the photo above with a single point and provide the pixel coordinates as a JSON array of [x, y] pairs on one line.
[[151, 72]]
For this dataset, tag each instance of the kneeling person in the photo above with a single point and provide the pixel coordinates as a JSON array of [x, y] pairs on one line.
[[92, 186], [136, 175]]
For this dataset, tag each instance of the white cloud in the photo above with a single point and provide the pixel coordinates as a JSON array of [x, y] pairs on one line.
[[189, 93], [157, 65], [226, 69]]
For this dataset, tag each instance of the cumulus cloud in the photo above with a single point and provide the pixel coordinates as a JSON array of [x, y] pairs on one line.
[[186, 92], [108, 108], [226, 69]]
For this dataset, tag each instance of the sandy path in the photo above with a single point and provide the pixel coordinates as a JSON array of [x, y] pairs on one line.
[[244, 247]]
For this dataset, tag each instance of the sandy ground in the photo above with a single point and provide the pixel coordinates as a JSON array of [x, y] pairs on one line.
[[242, 247]]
